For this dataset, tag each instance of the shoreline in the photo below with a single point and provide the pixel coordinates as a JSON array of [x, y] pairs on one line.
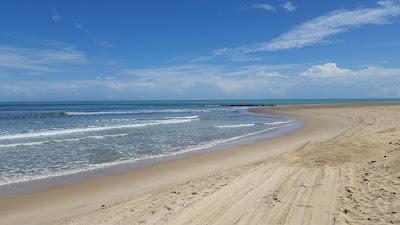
[[90, 197], [74, 177]]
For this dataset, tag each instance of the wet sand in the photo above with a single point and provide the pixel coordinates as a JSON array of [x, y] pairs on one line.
[[342, 167]]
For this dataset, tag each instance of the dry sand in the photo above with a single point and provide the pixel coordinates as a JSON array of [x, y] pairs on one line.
[[343, 167]]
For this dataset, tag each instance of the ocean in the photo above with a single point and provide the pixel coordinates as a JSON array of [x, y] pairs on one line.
[[40, 140]]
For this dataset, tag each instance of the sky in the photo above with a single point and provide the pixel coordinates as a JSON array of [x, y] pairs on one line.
[[207, 49]]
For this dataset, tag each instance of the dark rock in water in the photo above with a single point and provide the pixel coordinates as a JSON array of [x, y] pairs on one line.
[[62, 114], [230, 105]]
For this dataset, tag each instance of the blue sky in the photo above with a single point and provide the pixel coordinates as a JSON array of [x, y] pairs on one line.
[[118, 50]]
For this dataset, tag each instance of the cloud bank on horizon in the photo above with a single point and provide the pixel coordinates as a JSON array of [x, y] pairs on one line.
[[305, 61]]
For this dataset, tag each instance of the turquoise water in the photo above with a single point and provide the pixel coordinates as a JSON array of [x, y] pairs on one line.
[[200, 102], [49, 139]]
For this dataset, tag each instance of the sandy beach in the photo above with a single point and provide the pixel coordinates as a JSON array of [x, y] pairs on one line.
[[342, 167]]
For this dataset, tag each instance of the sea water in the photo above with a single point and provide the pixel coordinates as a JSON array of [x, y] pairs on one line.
[[50, 139]]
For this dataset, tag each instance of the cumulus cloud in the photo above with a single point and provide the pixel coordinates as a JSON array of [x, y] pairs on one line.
[[326, 70]]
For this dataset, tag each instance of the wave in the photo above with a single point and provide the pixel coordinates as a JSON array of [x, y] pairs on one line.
[[142, 111], [253, 133], [223, 141], [279, 122], [96, 113], [252, 124], [237, 125], [149, 111], [62, 140], [183, 117], [22, 144], [90, 129], [149, 157]]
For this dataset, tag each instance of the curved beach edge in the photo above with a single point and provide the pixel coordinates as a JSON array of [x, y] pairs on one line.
[[114, 168], [310, 175]]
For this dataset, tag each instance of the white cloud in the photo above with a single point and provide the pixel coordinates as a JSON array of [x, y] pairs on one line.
[[378, 72], [265, 81], [319, 29], [326, 70], [82, 28], [331, 70], [55, 16], [386, 2], [39, 59], [96, 41], [288, 6], [235, 56], [180, 81], [264, 6], [210, 81], [184, 78], [102, 43], [204, 71], [105, 78]]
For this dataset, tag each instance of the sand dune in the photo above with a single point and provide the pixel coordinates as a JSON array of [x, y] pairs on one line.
[[343, 167]]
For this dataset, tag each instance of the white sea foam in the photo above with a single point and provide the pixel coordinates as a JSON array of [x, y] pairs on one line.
[[8, 181], [22, 144], [183, 117], [236, 125], [141, 111], [279, 122], [90, 129], [97, 113], [250, 134], [61, 140], [226, 140]]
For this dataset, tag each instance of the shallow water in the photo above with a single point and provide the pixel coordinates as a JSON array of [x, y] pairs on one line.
[[39, 140]]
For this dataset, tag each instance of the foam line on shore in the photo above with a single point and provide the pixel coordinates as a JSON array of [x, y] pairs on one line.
[[236, 125], [109, 164], [62, 140], [91, 129]]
